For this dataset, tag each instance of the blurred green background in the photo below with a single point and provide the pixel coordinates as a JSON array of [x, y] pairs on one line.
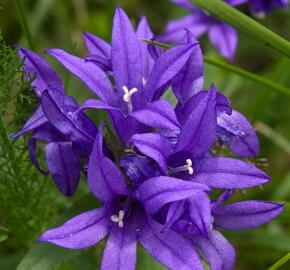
[[61, 24]]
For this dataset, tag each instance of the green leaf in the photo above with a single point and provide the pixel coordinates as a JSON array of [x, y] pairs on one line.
[[279, 263], [245, 24], [46, 257]]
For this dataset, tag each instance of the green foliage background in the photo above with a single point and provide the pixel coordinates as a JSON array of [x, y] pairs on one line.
[[30, 203]]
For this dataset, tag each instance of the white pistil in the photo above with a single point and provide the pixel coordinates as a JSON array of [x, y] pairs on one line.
[[188, 166], [119, 218], [144, 81], [127, 96]]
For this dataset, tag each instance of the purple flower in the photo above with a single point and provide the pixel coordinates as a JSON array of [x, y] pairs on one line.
[[199, 219], [126, 217], [185, 152], [260, 7], [67, 139], [137, 80], [222, 36]]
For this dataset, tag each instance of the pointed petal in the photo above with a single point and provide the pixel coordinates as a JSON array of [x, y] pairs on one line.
[[126, 55], [32, 144], [243, 141], [228, 173], [170, 248], [82, 231], [97, 46], [190, 78], [44, 75], [200, 212], [104, 178], [175, 29], [166, 67], [157, 191], [64, 166], [88, 72], [158, 114], [246, 215], [217, 250], [144, 31], [36, 120], [103, 63], [224, 38], [60, 116], [154, 146], [199, 131], [175, 211], [120, 251]]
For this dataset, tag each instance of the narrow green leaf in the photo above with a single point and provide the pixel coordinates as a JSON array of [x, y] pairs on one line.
[[245, 24], [269, 84], [279, 263]]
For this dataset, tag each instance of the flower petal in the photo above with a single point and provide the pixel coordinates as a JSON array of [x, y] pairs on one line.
[[44, 75], [126, 55], [82, 231], [102, 62], [36, 120], [217, 250], [104, 178], [224, 38], [157, 191], [243, 139], [154, 146], [246, 215], [121, 248], [228, 173], [158, 114], [144, 31], [175, 211], [200, 212], [81, 132], [64, 166], [170, 248], [166, 67], [199, 131], [190, 78], [97, 46], [88, 72]]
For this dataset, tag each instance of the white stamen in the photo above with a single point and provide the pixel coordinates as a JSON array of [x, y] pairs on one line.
[[188, 166], [128, 93], [119, 218], [144, 81]]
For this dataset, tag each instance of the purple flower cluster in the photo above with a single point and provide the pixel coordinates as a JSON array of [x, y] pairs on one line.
[[156, 180], [222, 36]]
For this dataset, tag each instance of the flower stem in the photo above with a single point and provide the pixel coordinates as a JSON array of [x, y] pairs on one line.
[[245, 24], [279, 263], [271, 85], [24, 24]]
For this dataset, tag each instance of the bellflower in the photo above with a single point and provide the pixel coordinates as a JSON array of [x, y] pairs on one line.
[[260, 7], [126, 216], [136, 81], [200, 219], [222, 36], [186, 152], [67, 140]]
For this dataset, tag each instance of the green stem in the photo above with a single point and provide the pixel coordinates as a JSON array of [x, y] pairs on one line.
[[271, 85], [279, 263], [24, 24], [6, 144], [245, 24]]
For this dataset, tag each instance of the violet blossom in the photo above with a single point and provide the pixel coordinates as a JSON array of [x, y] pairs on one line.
[[261, 7]]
